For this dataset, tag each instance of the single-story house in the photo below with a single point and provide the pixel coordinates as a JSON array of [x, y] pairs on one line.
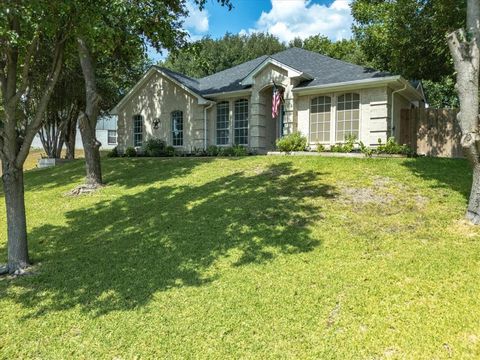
[[324, 98]]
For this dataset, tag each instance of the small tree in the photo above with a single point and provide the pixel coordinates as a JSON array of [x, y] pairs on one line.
[[464, 46]]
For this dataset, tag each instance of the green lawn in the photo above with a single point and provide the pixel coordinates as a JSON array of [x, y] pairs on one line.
[[259, 257]]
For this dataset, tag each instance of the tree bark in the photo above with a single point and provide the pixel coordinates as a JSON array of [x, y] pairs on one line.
[[91, 147], [88, 119], [16, 220], [70, 133], [464, 46]]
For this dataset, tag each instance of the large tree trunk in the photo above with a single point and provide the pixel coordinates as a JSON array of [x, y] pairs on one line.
[[91, 147], [464, 46], [473, 211], [16, 220], [88, 118]]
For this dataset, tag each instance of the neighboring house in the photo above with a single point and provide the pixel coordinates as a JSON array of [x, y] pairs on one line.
[[324, 98], [106, 133]]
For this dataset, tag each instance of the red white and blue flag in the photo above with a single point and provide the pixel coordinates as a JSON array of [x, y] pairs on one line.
[[276, 101]]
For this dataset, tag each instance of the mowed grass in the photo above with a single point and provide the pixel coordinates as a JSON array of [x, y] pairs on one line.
[[258, 257]]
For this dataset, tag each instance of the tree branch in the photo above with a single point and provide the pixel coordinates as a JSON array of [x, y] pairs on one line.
[[26, 70]]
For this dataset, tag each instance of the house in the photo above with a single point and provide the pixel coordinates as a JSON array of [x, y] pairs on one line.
[[106, 133], [324, 98]]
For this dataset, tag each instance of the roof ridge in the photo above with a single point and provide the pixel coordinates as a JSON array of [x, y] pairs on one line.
[[233, 67], [329, 58], [176, 73]]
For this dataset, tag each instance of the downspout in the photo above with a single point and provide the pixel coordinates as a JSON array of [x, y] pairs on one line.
[[205, 125], [392, 111]]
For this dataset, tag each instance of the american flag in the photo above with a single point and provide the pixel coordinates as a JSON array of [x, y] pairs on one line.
[[276, 101]]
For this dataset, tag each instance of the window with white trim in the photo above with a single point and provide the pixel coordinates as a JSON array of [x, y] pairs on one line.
[[348, 116], [112, 137], [320, 119], [223, 123], [177, 128], [240, 124], [137, 130]]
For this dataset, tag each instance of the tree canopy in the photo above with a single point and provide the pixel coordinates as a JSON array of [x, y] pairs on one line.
[[408, 36], [208, 56]]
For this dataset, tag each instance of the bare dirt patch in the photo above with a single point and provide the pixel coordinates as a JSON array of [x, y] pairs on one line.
[[383, 191]]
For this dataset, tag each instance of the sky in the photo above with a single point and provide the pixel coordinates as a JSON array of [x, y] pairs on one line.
[[285, 19]]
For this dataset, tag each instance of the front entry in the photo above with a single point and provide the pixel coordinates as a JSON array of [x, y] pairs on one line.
[[274, 127]]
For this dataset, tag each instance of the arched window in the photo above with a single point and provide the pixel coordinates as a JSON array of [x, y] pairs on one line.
[[223, 123], [137, 130], [348, 116], [320, 119], [177, 128], [240, 124]]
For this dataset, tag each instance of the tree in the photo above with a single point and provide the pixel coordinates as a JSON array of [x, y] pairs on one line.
[[25, 27], [464, 45], [346, 50], [116, 30], [208, 56], [407, 37], [59, 126]]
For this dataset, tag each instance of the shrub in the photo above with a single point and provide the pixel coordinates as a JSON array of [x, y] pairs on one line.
[[239, 150], [170, 151], [348, 146], [292, 142], [154, 147], [198, 152], [367, 151], [226, 151], [212, 150], [320, 148], [130, 152], [113, 153], [392, 147]]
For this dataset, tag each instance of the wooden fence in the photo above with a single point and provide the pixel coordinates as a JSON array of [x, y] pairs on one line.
[[431, 132]]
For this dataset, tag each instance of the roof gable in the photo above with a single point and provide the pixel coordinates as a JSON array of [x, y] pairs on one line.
[[292, 72], [184, 82]]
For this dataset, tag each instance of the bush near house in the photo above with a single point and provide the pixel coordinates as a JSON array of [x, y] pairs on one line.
[[392, 147], [292, 142], [154, 147], [130, 152]]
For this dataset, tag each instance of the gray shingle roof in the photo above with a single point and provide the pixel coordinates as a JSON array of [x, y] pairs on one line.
[[323, 69]]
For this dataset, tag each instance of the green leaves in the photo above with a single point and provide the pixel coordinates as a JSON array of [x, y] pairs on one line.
[[408, 36]]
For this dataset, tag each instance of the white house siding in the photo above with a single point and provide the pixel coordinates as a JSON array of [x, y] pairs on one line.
[[374, 114], [104, 124], [157, 99]]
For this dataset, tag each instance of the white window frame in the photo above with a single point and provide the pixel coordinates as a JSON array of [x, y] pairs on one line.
[[227, 128], [108, 137], [351, 118], [330, 112], [245, 120], [172, 114], [137, 130]]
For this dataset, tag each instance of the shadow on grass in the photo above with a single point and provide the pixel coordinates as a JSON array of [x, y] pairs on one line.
[[121, 171], [455, 174], [117, 254]]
